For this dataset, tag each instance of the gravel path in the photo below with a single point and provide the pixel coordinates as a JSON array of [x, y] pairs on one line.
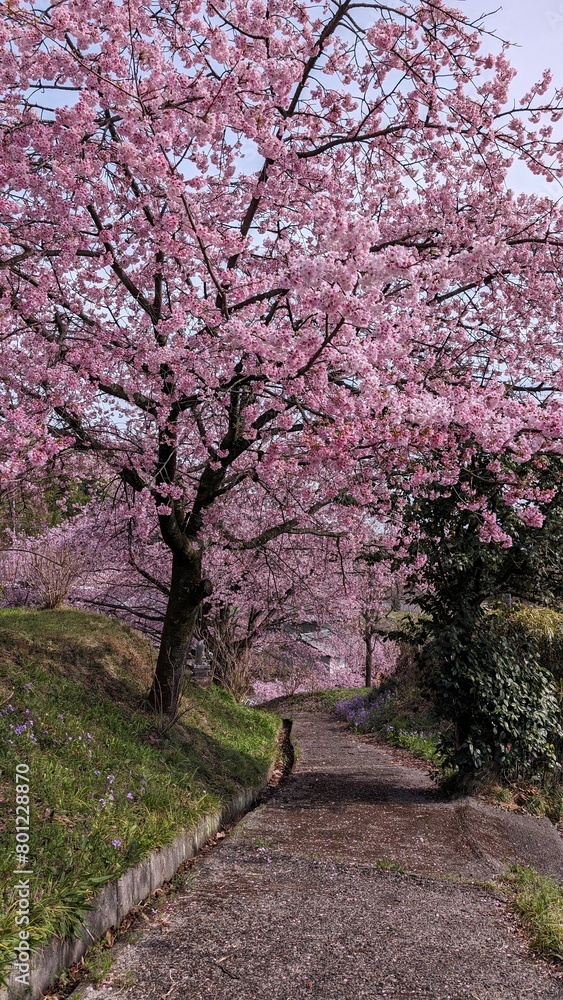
[[304, 899]]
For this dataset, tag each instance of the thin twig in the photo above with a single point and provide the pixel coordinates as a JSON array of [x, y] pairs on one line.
[[173, 987]]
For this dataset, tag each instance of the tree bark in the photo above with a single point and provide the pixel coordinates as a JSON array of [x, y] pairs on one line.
[[369, 657], [187, 591]]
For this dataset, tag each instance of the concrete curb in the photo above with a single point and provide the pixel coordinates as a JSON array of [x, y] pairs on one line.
[[118, 898]]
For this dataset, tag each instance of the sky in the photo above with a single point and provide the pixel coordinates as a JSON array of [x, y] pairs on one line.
[[536, 29], [535, 25]]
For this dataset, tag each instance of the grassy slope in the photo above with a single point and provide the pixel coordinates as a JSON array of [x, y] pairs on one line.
[[108, 781]]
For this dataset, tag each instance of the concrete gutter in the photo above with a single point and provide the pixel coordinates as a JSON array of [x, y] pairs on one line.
[[116, 900]]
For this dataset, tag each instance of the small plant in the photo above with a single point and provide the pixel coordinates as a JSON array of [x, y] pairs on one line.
[[390, 866], [98, 961], [538, 900], [541, 799], [399, 713], [123, 980], [501, 795], [425, 745]]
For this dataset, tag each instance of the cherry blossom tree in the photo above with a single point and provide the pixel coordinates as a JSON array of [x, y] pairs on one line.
[[256, 255], [372, 584]]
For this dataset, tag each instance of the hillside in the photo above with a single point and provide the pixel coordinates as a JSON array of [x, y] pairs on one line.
[[108, 781]]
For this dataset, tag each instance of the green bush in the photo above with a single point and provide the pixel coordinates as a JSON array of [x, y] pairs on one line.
[[541, 626], [499, 696], [491, 675]]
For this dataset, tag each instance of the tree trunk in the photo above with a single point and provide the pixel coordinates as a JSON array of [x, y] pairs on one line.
[[187, 590], [369, 657]]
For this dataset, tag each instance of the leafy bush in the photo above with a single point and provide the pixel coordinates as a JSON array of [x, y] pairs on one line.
[[500, 698], [486, 672], [541, 626]]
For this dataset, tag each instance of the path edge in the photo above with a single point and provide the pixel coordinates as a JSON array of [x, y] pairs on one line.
[[118, 898]]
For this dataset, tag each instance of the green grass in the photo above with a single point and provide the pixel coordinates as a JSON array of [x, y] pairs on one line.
[[108, 780], [538, 900], [422, 744], [314, 701], [398, 713], [390, 866]]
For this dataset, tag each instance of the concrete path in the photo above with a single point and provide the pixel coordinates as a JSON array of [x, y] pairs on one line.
[[353, 882]]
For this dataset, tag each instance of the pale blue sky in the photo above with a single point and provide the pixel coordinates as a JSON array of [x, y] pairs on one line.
[[537, 27]]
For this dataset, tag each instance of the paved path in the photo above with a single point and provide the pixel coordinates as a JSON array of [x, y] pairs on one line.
[[301, 900]]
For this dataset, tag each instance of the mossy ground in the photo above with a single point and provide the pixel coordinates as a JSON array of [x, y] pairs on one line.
[[109, 781]]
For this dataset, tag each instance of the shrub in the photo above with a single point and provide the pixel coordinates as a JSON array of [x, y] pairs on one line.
[[541, 626], [398, 711], [500, 698], [470, 544]]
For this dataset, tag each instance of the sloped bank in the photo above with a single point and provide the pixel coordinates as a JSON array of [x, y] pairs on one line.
[[118, 798], [354, 882], [116, 900]]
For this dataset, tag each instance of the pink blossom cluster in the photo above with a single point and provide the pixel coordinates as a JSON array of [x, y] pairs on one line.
[[263, 274]]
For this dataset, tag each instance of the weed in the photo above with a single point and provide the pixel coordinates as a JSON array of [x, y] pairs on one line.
[[538, 900], [501, 795], [98, 961], [387, 865], [539, 799], [123, 980]]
